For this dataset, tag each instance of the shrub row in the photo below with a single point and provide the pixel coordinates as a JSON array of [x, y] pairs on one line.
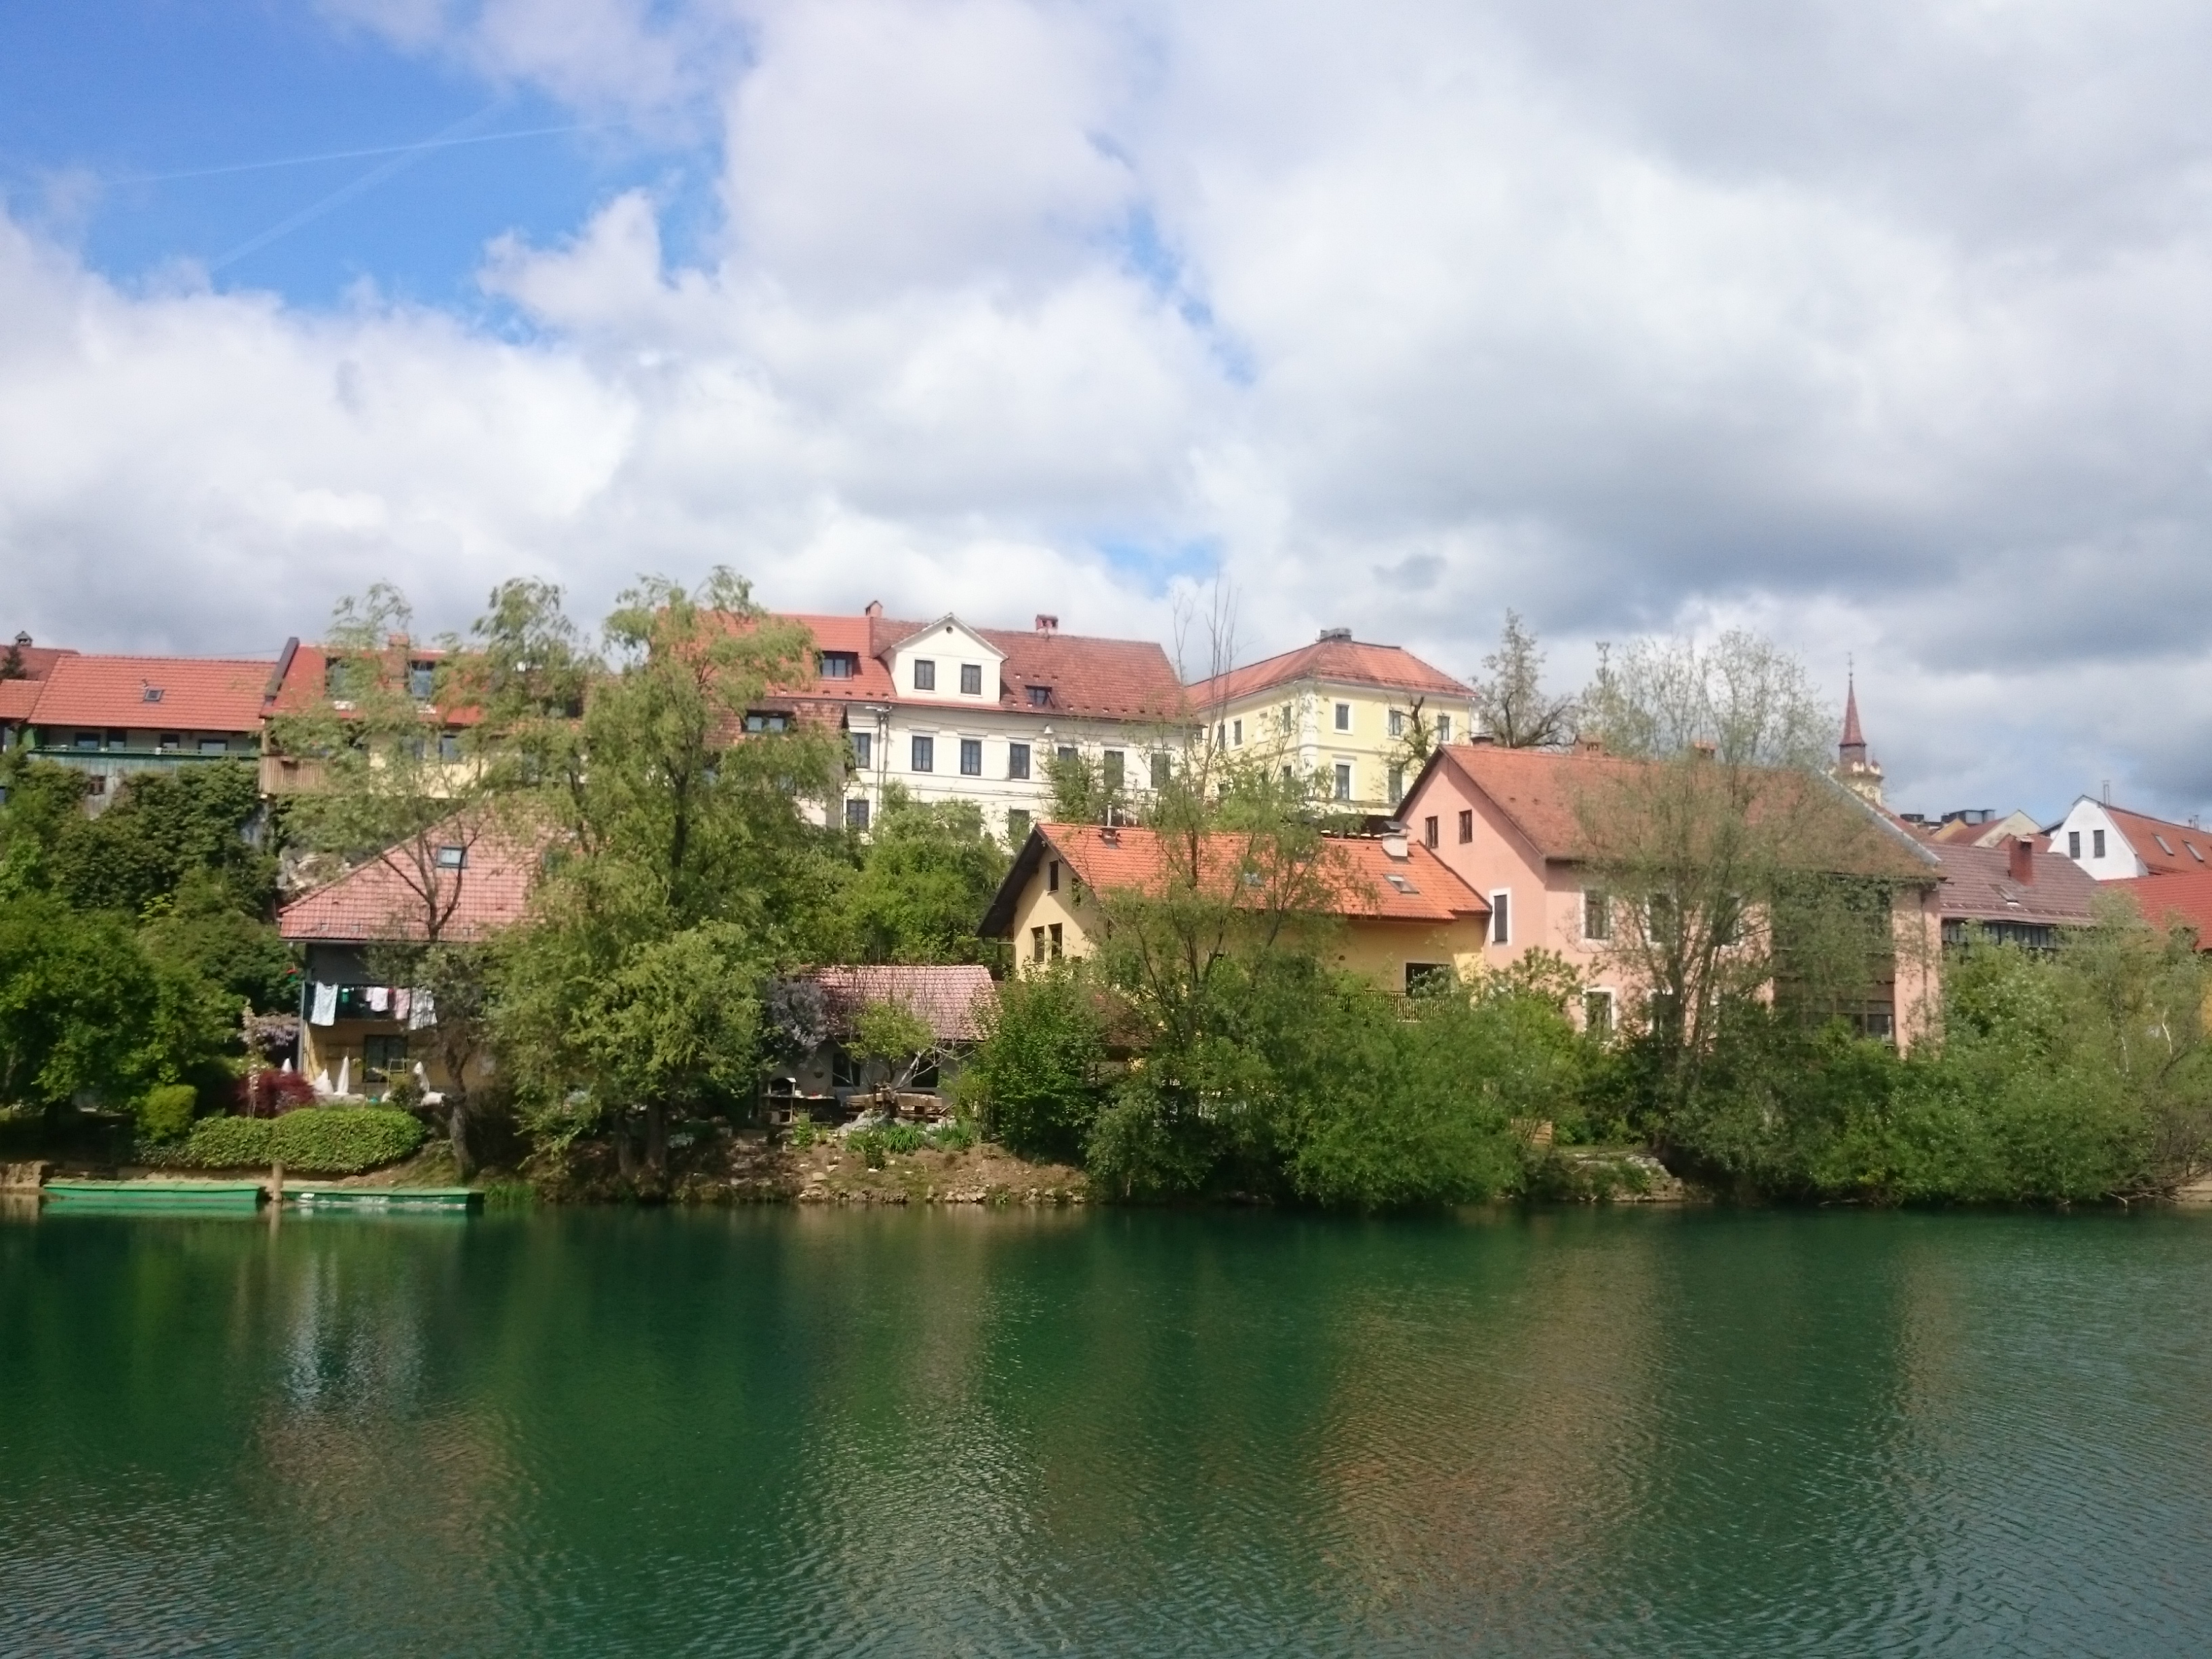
[[333, 1141]]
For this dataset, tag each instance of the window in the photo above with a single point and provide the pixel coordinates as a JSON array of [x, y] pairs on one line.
[[1344, 717], [1597, 916], [925, 674], [2162, 847], [1397, 784], [1064, 754], [971, 679], [122, 740], [1444, 728], [149, 694], [1429, 832], [453, 858], [416, 748], [334, 675], [1597, 1014], [1431, 976], [1052, 876], [2073, 844], [864, 750], [971, 757], [1040, 696], [2096, 843], [1112, 764], [213, 746], [1018, 760], [1397, 722], [1163, 768], [1501, 918], [838, 664], [422, 678], [1465, 827], [449, 745], [856, 812], [381, 1055], [1052, 934], [1236, 732], [1017, 826], [1344, 779], [768, 719], [169, 743], [924, 755], [2193, 852], [1036, 945]]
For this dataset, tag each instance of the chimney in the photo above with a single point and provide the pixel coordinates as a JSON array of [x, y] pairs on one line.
[[1394, 844], [23, 640], [875, 608], [1046, 625], [2022, 862], [1329, 635], [1705, 748]]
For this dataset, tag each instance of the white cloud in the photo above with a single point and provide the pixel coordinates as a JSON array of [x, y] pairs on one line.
[[1885, 326]]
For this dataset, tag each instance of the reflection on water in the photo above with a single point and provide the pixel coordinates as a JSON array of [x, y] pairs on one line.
[[968, 1433]]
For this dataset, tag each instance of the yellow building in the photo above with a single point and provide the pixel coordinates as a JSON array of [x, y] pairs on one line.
[[1404, 914], [1360, 717]]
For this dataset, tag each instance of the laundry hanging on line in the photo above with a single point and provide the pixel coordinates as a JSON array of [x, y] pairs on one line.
[[326, 1011]]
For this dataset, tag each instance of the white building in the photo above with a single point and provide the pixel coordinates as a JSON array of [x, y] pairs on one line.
[[2114, 845], [952, 711]]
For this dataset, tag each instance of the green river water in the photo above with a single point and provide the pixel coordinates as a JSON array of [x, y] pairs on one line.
[[813, 1432]]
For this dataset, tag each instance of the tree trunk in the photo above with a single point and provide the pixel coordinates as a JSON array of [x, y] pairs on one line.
[[625, 1149], [457, 1129], [656, 1141]]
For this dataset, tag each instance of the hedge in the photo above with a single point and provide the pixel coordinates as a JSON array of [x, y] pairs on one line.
[[165, 1113], [322, 1140]]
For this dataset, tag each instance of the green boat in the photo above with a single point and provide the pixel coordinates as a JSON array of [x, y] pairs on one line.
[[454, 1199], [221, 1195]]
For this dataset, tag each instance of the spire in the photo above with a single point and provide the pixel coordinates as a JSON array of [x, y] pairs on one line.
[[1853, 745]]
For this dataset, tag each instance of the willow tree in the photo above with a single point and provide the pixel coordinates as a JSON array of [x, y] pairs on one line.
[[685, 871]]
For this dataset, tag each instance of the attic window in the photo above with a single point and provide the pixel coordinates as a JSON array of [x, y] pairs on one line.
[[2162, 847], [840, 664], [770, 720], [2193, 852], [1252, 878], [453, 858], [150, 693], [925, 674], [422, 680], [971, 679], [1040, 696], [1399, 882]]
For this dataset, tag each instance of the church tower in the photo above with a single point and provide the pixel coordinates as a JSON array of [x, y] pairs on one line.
[[1857, 773]]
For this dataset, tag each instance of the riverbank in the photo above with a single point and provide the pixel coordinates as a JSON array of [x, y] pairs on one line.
[[740, 1167]]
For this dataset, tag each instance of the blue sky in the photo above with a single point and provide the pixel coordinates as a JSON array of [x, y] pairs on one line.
[[1881, 327]]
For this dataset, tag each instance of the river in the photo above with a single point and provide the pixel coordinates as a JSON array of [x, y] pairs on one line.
[[824, 1432]]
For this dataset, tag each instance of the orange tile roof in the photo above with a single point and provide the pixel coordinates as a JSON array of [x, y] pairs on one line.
[[2143, 832], [378, 900], [1085, 676], [1370, 884], [1978, 886], [196, 694], [950, 999], [302, 684], [38, 660], [2165, 900], [1542, 793], [18, 698], [1347, 662]]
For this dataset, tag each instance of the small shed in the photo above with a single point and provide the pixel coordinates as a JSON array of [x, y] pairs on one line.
[[820, 1013]]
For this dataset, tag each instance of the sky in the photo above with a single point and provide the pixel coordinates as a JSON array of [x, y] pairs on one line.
[[1881, 327]]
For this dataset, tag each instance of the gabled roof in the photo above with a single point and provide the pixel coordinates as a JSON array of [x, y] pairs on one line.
[[2164, 900], [376, 901], [1084, 676], [38, 660], [947, 623], [951, 999], [1342, 661], [195, 694], [1370, 884], [2162, 844], [1544, 794], [1978, 886]]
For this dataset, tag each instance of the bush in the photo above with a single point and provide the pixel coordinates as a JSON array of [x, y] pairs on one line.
[[342, 1139], [223, 1143], [875, 1145], [271, 1094], [165, 1113], [1036, 1074]]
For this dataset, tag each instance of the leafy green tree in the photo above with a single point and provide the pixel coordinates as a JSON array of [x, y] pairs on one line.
[[72, 987], [1038, 1074], [926, 877], [199, 823]]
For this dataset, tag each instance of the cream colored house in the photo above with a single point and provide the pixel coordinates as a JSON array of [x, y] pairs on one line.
[[1404, 914], [1359, 717]]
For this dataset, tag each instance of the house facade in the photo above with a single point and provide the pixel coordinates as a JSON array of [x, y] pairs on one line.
[[1404, 913], [1514, 824], [114, 717], [2114, 844], [1339, 710], [951, 711]]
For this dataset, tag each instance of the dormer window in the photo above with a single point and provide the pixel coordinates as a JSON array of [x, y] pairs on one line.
[[971, 679], [1040, 696], [773, 719], [925, 674], [840, 664], [422, 678], [453, 858]]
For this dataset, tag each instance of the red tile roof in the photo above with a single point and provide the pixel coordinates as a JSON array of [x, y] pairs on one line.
[[2165, 900], [18, 698], [1978, 886], [1098, 678], [2143, 832], [302, 683], [1369, 884], [38, 660], [1545, 795], [951, 999], [380, 901], [1346, 662], [197, 694]]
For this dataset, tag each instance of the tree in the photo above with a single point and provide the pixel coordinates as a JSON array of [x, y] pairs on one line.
[[74, 989], [198, 823], [1038, 1074], [679, 848], [1516, 709], [896, 1037], [926, 877]]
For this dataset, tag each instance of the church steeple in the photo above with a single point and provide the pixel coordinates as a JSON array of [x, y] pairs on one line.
[[1853, 769]]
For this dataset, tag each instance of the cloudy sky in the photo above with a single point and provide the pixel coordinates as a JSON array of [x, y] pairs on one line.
[[1884, 326]]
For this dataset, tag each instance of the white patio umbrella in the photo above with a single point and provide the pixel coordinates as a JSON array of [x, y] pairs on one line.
[[345, 1074]]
